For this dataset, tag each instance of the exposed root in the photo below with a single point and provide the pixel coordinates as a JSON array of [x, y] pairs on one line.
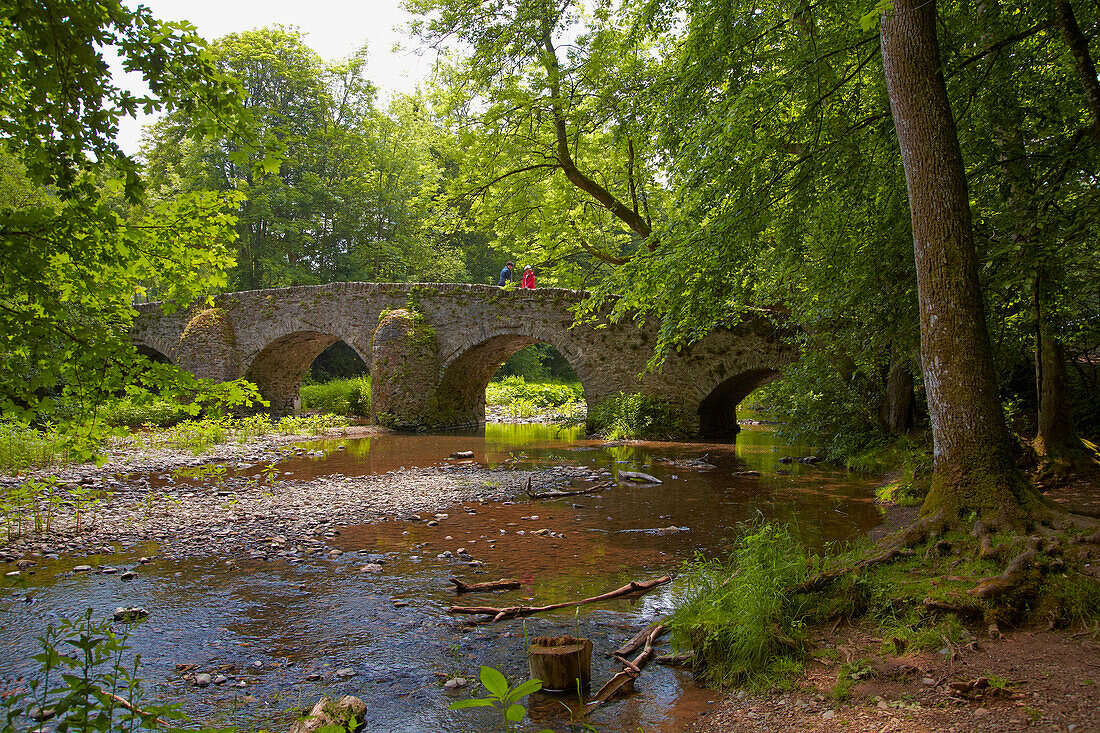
[[986, 549], [1013, 576], [899, 545]]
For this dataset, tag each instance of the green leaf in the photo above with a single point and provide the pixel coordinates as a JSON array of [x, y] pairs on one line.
[[526, 688], [494, 682], [474, 702], [515, 713]]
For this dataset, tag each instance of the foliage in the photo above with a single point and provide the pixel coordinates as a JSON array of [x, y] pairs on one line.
[[501, 696], [99, 688], [339, 396], [78, 239], [540, 395], [738, 616], [23, 446], [36, 503], [635, 416], [131, 413], [353, 198]]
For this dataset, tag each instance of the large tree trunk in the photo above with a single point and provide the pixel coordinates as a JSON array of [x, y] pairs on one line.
[[973, 467]]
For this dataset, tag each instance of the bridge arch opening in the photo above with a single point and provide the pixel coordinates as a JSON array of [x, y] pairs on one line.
[[152, 354], [465, 379], [279, 368], [718, 410]]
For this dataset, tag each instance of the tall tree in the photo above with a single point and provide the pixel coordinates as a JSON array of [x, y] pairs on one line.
[[974, 469], [70, 265]]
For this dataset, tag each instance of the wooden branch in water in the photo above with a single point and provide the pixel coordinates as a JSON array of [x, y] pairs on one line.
[[557, 493], [502, 584], [517, 611], [636, 641], [630, 672]]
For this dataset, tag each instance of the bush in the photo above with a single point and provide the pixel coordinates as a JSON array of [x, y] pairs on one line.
[[339, 397], [22, 446], [737, 616], [535, 395], [161, 413], [635, 416]]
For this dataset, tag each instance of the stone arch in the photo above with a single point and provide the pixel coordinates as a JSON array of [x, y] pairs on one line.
[[278, 368], [718, 410], [461, 394], [208, 345], [152, 353]]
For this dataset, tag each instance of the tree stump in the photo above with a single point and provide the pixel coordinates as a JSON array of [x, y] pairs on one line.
[[559, 661]]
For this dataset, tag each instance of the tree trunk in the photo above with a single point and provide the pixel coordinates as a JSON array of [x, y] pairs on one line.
[[973, 467], [896, 415]]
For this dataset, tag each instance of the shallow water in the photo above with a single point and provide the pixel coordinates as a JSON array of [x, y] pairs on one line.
[[323, 615]]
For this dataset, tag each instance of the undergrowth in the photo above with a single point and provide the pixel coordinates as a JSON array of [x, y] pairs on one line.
[[635, 416], [538, 395], [339, 396], [739, 617]]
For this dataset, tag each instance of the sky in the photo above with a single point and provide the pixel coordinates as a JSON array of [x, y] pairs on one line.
[[333, 28]]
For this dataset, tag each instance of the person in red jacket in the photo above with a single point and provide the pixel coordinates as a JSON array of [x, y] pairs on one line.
[[528, 278]]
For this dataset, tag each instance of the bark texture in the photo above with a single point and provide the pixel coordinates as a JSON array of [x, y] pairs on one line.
[[974, 470]]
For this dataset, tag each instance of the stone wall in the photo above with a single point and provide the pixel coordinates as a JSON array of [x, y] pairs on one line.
[[272, 336]]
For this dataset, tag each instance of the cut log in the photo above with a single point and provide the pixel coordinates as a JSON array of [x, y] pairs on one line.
[[502, 584], [517, 611], [347, 712], [560, 661]]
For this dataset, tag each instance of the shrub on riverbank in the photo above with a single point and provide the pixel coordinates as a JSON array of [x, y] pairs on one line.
[[539, 395], [739, 617], [745, 619], [339, 397], [635, 416]]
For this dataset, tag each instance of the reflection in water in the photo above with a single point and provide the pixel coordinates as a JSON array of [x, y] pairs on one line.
[[392, 629]]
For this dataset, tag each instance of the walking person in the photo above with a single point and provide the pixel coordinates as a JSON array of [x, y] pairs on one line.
[[528, 278], [506, 274]]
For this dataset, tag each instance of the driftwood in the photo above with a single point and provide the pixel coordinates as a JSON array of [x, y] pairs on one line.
[[558, 493], [624, 680], [133, 709], [638, 640], [502, 584], [639, 477], [683, 659], [517, 611]]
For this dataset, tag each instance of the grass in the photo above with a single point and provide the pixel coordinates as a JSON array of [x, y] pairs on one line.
[[23, 447], [339, 396], [737, 615]]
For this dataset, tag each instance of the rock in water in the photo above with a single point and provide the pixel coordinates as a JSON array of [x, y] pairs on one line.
[[639, 477], [462, 454], [346, 713]]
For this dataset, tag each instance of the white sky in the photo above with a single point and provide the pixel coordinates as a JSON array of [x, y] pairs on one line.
[[333, 28]]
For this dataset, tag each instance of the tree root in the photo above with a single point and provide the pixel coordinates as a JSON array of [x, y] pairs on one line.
[[899, 545], [1013, 575]]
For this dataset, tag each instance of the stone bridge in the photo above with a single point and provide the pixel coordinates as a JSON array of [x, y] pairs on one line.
[[432, 347]]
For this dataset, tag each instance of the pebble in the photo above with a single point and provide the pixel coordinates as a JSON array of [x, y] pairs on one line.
[[371, 568], [314, 676], [981, 713], [202, 680], [455, 682], [829, 714], [220, 679], [346, 672], [128, 575], [82, 569]]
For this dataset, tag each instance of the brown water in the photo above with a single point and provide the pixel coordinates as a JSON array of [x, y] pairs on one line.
[[324, 615]]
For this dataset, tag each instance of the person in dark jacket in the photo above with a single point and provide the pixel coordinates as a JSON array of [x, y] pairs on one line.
[[528, 278], [506, 274]]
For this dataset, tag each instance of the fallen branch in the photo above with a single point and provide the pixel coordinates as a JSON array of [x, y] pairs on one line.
[[631, 669], [502, 584], [636, 641], [517, 611], [134, 709], [558, 493]]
